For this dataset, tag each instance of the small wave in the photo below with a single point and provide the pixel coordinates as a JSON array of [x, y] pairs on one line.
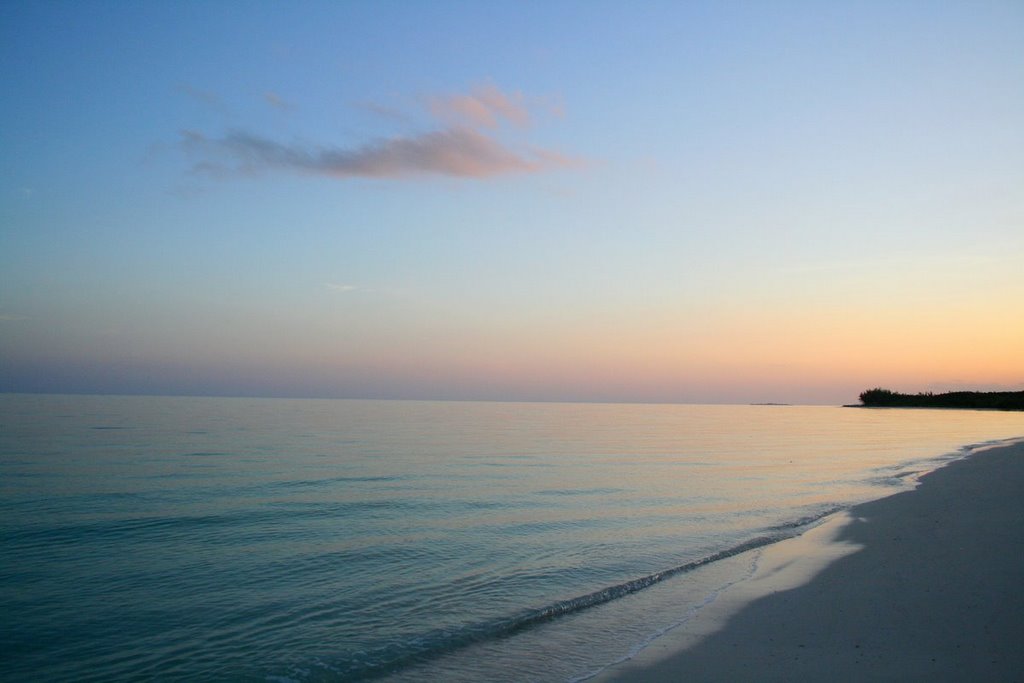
[[369, 478], [801, 524], [687, 616], [320, 483], [385, 661], [580, 492], [234, 522], [909, 473], [994, 443]]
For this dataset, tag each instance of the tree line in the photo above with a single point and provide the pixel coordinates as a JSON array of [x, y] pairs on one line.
[[992, 400]]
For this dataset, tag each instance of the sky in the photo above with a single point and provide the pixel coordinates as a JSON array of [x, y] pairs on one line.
[[720, 202]]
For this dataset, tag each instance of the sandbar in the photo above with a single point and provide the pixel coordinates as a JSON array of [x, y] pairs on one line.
[[923, 585]]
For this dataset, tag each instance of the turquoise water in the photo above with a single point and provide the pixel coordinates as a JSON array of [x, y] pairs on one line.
[[302, 540]]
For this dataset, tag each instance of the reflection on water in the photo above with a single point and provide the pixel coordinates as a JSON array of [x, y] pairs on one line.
[[233, 538]]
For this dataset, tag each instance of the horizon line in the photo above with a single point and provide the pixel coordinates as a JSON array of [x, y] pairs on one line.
[[298, 397]]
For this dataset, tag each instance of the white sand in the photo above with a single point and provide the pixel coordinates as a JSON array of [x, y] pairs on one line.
[[926, 585]]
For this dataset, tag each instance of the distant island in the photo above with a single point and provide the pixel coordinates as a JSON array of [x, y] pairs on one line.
[[979, 400]]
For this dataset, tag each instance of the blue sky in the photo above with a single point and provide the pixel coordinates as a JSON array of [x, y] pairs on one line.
[[541, 201]]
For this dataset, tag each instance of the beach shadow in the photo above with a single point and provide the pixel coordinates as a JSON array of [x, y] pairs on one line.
[[934, 594]]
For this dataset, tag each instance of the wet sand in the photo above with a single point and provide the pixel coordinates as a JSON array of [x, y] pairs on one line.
[[924, 585]]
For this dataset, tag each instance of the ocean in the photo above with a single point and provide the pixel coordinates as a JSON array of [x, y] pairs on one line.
[[240, 539]]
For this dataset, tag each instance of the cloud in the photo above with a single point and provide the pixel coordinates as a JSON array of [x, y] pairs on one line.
[[206, 97], [383, 111], [484, 107], [276, 101], [459, 152], [335, 287], [464, 145]]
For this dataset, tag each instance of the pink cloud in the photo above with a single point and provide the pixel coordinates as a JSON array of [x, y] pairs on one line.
[[460, 152], [484, 107], [464, 147]]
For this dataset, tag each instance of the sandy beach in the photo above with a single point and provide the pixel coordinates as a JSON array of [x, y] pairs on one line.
[[925, 585]]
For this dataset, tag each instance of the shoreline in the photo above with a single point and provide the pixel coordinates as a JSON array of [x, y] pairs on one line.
[[920, 585], [971, 408]]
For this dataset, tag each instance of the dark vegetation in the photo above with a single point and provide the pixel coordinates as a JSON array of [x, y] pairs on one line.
[[991, 400]]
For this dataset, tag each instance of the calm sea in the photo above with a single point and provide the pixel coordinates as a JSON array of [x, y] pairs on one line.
[[309, 540]]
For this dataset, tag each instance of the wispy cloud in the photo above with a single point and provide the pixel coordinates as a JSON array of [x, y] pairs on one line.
[[343, 288], [276, 101], [384, 111], [459, 152], [485, 106], [210, 99], [465, 145]]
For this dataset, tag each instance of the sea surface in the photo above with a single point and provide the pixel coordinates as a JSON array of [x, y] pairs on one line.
[[336, 540]]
